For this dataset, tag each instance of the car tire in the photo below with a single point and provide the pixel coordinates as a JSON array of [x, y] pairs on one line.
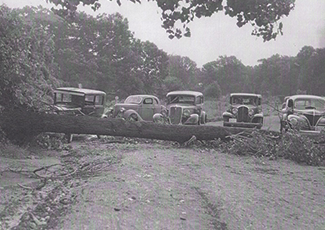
[[132, 116]]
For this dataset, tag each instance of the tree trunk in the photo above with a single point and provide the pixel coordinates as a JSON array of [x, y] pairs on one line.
[[29, 124]]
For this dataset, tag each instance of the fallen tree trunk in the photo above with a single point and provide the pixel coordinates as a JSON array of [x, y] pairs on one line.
[[29, 124]]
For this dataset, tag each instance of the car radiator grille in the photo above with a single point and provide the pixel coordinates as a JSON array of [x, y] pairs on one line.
[[312, 119], [175, 115], [242, 114]]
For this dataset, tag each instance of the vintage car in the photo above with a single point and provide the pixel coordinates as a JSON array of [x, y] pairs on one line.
[[138, 108], [186, 107], [245, 110], [78, 102], [305, 113]]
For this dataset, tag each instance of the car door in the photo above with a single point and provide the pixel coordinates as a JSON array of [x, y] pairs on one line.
[[157, 106], [147, 109]]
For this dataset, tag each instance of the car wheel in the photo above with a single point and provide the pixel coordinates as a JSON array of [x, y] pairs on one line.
[[132, 116]]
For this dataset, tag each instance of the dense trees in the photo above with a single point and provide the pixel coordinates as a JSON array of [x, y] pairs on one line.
[[228, 72], [27, 68], [182, 74], [262, 15], [283, 75]]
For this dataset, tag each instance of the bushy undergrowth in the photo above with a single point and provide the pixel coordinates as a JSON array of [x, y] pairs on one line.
[[50, 141], [302, 148], [292, 145]]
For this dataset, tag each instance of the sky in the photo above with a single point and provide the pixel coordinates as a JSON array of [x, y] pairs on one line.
[[217, 35]]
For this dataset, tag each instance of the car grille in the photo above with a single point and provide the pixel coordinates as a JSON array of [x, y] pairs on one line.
[[312, 119], [242, 114], [175, 115]]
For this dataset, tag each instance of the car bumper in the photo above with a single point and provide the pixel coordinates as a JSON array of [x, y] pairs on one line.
[[243, 124]]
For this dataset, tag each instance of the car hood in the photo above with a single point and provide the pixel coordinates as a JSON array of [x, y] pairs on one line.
[[313, 112], [119, 106], [67, 108], [187, 106], [248, 106], [125, 105]]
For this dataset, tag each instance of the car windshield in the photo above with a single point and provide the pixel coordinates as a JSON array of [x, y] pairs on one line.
[[66, 98], [309, 103], [183, 99], [243, 100], [133, 100]]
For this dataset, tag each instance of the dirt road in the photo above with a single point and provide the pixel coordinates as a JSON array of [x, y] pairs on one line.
[[161, 186]]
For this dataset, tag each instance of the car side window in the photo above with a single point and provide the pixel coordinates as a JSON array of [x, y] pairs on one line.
[[259, 101], [148, 101], [98, 100], [199, 100], [300, 104], [89, 98], [66, 98]]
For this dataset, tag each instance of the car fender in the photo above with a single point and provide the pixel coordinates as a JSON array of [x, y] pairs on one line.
[[203, 117], [227, 114], [258, 115], [321, 122], [192, 120], [298, 122], [131, 113]]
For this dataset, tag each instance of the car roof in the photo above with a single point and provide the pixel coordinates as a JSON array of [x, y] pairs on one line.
[[185, 92], [79, 90], [142, 95], [305, 96], [246, 94]]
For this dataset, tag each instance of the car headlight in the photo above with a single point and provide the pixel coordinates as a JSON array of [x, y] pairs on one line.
[[122, 110], [234, 110], [186, 112], [251, 111]]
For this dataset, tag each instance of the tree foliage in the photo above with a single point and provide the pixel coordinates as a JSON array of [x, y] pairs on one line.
[[283, 75], [264, 15], [28, 70], [229, 72], [182, 74]]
